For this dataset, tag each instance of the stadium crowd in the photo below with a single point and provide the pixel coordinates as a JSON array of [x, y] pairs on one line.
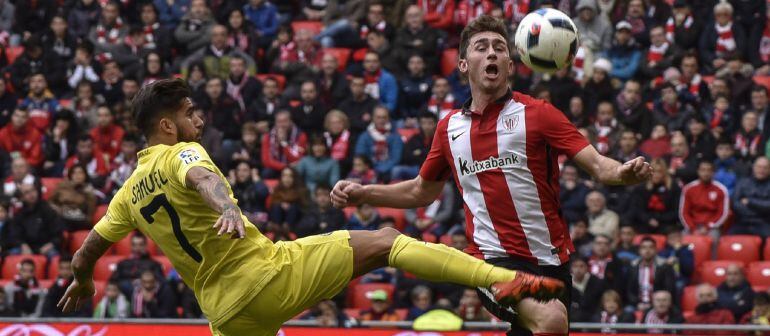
[[300, 94]]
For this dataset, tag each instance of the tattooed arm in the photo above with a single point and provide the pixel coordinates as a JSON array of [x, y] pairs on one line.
[[82, 287], [214, 192]]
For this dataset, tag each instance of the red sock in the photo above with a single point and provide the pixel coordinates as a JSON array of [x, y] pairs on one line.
[[549, 334]]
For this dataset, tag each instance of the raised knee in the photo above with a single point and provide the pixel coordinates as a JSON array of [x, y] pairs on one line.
[[553, 320]]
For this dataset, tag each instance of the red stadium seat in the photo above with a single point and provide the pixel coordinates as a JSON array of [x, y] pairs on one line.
[[759, 274], [700, 247], [105, 266], [402, 313], [76, 240], [353, 313], [270, 183], [341, 54], [53, 268], [12, 53], [123, 247], [12, 262], [708, 79], [429, 237], [360, 300], [65, 103], [99, 286], [49, 185], [714, 271], [660, 240], [407, 133], [281, 79], [165, 262], [397, 214], [763, 80], [445, 239], [743, 248], [766, 250], [314, 26], [449, 61], [99, 213], [688, 299]]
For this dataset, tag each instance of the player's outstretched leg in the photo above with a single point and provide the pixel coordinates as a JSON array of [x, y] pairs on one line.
[[440, 263]]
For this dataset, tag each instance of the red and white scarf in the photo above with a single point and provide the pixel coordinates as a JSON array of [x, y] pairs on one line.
[[646, 279], [653, 318], [598, 267], [694, 87], [671, 27], [764, 44], [716, 118], [372, 86], [234, 90], [137, 302], [365, 29], [338, 147], [288, 52], [380, 137], [725, 39], [149, 35], [578, 64], [239, 40], [747, 143], [469, 10], [441, 108], [276, 152], [516, 10], [111, 35], [656, 54], [432, 6], [603, 131]]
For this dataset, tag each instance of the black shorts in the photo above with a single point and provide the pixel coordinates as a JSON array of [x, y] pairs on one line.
[[508, 314]]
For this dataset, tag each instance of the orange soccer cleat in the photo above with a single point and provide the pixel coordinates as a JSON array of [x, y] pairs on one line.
[[526, 285]]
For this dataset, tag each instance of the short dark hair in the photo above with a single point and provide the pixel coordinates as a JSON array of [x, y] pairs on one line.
[[27, 261], [428, 115], [759, 88], [648, 239], [484, 23], [159, 98]]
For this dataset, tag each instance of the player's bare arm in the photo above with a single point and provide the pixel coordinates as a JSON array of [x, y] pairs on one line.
[[213, 190], [82, 287], [413, 193], [611, 172]]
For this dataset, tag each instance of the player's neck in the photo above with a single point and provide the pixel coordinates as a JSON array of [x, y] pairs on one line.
[[481, 99], [161, 140]]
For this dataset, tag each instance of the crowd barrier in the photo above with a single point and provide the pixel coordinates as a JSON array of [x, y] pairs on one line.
[[181, 327]]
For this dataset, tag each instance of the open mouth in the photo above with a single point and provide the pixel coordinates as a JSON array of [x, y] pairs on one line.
[[491, 70]]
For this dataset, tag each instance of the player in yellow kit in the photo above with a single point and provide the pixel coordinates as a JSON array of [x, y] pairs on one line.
[[245, 284]]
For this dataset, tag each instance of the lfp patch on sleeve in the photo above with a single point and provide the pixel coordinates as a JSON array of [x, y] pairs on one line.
[[189, 156]]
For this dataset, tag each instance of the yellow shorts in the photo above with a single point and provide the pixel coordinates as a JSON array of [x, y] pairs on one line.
[[315, 268]]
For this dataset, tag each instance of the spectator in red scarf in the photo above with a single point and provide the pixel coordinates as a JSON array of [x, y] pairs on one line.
[[606, 128], [605, 265], [109, 32], [26, 295], [468, 10], [647, 275], [106, 134], [381, 144], [442, 101], [748, 138], [721, 38], [338, 138], [691, 78], [611, 311], [20, 174], [56, 292], [157, 37], [241, 87], [663, 311], [656, 203], [708, 311], [682, 28], [374, 21], [380, 84], [240, 32], [22, 137], [660, 55], [285, 144]]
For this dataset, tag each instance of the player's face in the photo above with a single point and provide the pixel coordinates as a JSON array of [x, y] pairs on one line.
[[189, 125], [487, 62]]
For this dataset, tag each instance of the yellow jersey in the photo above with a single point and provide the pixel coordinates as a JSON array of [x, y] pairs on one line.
[[224, 273]]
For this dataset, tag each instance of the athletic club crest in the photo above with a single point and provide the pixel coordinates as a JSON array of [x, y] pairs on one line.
[[510, 123]]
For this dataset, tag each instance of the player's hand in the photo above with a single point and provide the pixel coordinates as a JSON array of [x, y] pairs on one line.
[[231, 222], [76, 295], [347, 193], [635, 171]]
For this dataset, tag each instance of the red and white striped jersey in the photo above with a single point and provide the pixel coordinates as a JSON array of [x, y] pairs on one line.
[[504, 161]]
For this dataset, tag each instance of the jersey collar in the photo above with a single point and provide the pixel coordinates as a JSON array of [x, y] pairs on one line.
[[144, 154], [466, 108]]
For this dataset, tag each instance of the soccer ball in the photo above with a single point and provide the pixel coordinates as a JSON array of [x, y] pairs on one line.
[[546, 40]]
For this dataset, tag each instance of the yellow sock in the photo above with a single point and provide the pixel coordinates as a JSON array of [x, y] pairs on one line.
[[441, 263]]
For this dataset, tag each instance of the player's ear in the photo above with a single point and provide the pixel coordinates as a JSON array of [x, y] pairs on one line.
[[167, 125], [511, 68], [462, 65]]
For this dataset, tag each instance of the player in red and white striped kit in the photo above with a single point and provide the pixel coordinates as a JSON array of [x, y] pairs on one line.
[[501, 149]]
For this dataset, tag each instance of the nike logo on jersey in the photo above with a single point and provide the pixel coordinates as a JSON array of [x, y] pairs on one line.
[[454, 137]]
